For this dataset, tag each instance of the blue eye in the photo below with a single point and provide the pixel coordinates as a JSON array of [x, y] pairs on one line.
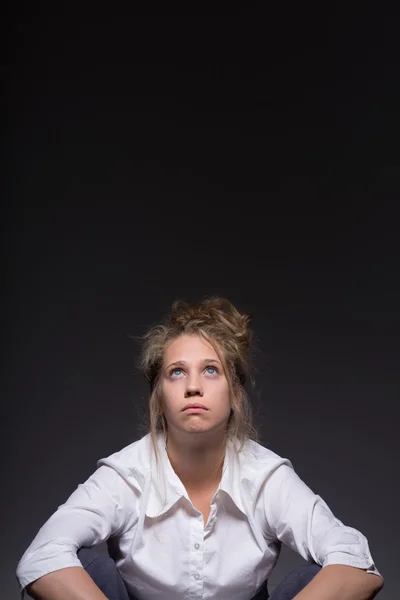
[[176, 372], [213, 369]]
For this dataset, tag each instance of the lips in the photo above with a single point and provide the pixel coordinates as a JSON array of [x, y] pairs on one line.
[[196, 405]]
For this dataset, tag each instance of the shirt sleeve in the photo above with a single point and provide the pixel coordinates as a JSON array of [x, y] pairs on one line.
[[93, 513], [303, 521]]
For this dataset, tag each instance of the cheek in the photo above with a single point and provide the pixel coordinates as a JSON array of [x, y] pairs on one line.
[[170, 391], [224, 391]]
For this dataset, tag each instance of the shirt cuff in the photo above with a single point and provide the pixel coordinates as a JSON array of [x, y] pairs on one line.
[[29, 573], [361, 562]]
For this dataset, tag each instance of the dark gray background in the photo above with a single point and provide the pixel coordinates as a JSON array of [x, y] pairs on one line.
[[151, 159]]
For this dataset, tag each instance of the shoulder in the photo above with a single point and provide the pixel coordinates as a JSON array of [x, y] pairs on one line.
[[254, 453], [257, 463], [132, 462]]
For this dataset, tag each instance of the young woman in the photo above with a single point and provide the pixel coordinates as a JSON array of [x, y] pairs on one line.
[[197, 508]]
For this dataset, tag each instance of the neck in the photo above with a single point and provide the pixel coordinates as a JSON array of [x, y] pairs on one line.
[[197, 459]]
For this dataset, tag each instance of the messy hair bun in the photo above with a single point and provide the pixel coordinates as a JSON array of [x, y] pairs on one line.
[[222, 325], [219, 315]]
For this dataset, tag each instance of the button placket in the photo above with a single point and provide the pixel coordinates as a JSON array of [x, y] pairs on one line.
[[196, 558]]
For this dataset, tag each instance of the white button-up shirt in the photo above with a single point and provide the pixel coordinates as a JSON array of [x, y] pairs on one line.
[[159, 541]]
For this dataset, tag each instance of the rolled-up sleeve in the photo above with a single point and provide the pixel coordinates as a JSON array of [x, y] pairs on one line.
[[94, 512], [303, 521]]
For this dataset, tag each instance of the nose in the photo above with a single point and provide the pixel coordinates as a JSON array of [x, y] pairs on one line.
[[194, 387]]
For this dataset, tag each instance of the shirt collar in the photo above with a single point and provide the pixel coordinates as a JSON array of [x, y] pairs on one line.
[[166, 488]]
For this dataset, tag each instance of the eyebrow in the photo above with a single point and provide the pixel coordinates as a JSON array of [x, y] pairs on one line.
[[182, 363]]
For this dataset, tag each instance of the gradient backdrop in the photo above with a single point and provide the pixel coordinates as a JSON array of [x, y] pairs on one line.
[[150, 159]]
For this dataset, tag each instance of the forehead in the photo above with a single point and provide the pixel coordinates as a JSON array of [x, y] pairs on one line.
[[189, 348]]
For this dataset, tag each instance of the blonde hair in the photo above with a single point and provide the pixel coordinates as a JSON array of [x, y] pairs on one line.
[[228, 331]]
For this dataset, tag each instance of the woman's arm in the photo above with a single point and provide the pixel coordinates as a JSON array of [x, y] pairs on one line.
[[339, 581], [72, 583], [99, 508], [303, 521]]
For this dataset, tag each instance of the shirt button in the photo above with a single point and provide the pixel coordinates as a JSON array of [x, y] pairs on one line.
[[197, 546], [196, 576]]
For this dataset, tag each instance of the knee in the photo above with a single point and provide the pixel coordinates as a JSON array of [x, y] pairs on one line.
[[309, 570], [103, 570], [95, 562], [297, 579]]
